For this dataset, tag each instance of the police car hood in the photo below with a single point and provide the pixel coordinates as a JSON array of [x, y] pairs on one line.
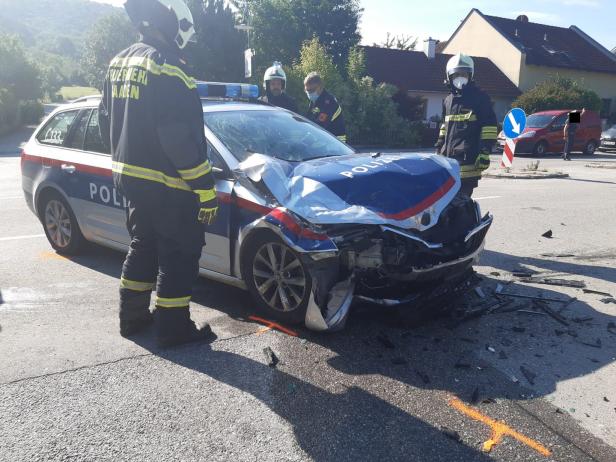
[[406, 190]]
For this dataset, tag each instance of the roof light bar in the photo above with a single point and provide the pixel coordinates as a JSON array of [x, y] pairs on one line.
[[227, 90]]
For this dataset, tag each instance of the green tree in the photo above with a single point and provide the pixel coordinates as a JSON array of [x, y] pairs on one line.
[[370, 114], [218, 54], [399, 42], [20, 85], [558, 93], [282, 26], [110, 35]]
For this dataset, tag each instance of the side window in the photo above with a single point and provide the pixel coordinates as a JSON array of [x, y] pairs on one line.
[[94, 142], [77, 134], [55, 131], [560, 121]]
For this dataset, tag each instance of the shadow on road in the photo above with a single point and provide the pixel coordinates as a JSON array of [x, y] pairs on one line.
[[329, 426]]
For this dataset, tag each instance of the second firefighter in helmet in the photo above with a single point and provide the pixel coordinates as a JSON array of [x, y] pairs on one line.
[[151, 113], [274, 84], [469, 129]]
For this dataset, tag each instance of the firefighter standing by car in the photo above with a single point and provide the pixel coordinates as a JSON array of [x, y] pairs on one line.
[[324, 109], [469, 126], [151, 112], [275, 84]]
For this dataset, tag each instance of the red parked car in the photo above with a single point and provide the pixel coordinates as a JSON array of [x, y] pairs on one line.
[[544, 133]]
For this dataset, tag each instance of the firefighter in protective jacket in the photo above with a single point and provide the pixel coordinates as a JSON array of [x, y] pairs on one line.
[[469, 126], [151, 112], [324, 109]]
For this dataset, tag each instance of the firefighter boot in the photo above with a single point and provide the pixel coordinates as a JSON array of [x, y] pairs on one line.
[[135, 312], [174, 327]]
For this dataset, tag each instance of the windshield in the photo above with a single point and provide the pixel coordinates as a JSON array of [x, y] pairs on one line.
[[539, 120], [277, 134]]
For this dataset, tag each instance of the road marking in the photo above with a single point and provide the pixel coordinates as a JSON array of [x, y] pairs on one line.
[[486, 197], [269, 325], [51, 255], [16, 238], [499, 429]]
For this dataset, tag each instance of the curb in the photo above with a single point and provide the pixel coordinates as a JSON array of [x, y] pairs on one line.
[[611, 165], [525, 176]]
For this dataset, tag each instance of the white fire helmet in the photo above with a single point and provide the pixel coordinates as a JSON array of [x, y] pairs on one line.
[[460, 63], [275, 72]]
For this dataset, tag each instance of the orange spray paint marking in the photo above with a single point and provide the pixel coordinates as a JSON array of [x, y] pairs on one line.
[[51, 256], [499, 429], [272, 325]]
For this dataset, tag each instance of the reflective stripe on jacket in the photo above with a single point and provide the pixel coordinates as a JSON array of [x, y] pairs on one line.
[[152, 114]]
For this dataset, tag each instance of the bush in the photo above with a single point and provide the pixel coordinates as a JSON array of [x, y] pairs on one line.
[[371, 115], [30, 112], [558, 93]]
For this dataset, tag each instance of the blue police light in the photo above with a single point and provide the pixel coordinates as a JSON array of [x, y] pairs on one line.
[[227, 90]]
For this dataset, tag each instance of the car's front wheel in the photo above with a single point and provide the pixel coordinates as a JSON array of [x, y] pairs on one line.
[[277, 279], [540, 148], [60, 224]]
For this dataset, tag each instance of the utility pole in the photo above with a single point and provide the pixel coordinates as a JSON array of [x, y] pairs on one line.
[[248, 52]]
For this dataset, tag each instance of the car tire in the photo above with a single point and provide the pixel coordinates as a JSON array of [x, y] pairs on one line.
[[540, 149], [590, 148], [60, 224], [277, 279]]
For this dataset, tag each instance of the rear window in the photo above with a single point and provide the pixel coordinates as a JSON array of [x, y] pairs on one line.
[[56, 130]]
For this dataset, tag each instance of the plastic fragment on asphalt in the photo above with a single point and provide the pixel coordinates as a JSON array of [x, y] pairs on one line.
[[499, 288], [609, 300], [548, 234], [270, 357], [451, 434], [596, 292], [554, 282], [530, 376]]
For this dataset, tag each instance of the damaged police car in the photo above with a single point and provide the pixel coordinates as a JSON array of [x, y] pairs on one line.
[[305, 223]]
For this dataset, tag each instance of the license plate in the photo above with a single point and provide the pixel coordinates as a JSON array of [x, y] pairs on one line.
[[609, 143]]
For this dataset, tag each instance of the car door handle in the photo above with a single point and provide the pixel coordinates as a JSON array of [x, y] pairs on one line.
[[68, 168]]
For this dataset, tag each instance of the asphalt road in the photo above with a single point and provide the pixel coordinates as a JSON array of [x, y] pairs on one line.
[[384, 389]]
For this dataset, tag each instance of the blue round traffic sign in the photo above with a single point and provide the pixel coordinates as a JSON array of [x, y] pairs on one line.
[[514, 123]]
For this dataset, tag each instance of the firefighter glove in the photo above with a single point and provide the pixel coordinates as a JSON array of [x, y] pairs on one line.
[[208, 211]]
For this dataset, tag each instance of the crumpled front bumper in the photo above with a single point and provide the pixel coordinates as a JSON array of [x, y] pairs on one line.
[[330, 313]]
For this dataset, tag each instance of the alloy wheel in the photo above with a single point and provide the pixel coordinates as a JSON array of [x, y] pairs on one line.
[[279, 277], [58, 223]]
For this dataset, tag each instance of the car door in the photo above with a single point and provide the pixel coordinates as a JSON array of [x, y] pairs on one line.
[[104, 205], [58, 159], [556, 140], [216, 254]]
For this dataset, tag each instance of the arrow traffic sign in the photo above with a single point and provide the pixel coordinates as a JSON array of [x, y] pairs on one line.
[[514, 123]]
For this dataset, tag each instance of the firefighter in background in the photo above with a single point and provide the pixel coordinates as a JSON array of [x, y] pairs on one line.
[[469, 129], [324, 109], [151, 112], [275, 84]]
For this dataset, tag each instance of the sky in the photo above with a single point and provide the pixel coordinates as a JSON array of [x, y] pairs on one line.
[[439, 18]]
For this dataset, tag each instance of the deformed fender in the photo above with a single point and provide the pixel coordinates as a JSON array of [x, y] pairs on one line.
[[334, 314]]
